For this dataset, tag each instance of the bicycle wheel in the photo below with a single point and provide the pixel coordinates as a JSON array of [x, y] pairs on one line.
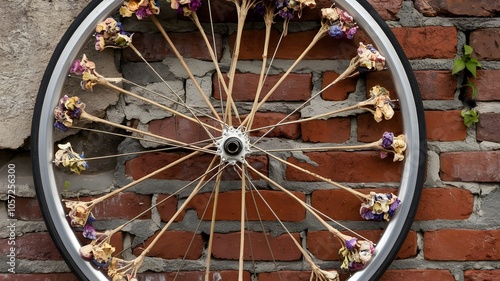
[[231, 151]]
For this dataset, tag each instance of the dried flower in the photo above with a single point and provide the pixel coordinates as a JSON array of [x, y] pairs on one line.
[[379, 206], [370, 58], [110, 33], [124, 270], [341, 24], [86, 252], [323, 275], [89, 230], [141, 8], [68, 158], [86, 68], [67, 110], [102, 253], [185, 7], [79, 212], [356, 258], [382, 102]]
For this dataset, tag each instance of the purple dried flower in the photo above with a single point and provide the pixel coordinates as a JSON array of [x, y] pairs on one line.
[[89, 231], [143, 12], [351, 243], [351, 32], [60, 126], [77, 68], [194, 5], [355, 266], [387, 139]]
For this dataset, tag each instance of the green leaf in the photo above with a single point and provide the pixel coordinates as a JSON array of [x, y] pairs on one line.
[[458, 65], [467, 50], [66, 185], [470, 117], [471, 67]]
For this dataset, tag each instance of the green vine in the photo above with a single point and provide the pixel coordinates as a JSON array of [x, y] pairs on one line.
[[469, 66]]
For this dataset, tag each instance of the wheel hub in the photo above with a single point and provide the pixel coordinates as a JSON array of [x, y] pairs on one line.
[[233, 146]]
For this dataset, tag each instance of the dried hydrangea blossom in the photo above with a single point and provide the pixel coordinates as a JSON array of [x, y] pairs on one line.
[[66, 111], [122, 270], [318, 274], [68, 158], [382, 102], [101, 253], [379, 206], [79, 213], [355, 254], [370, 58], [141, 8], [341, 24], [185, 7], [396, 145], [86, 68], [110, 34]]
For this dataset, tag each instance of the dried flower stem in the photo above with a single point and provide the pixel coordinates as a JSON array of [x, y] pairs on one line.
[[183, 62], [373, 145], [212, 227]]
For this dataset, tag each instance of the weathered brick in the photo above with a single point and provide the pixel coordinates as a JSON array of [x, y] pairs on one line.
[[485, 41], [387, 9], [264, 119], [417, 275], [285, 207], [296, 87], [154, 47], [188, 170], [125, 205], [191, 275], [462, 244], [487, 128], [27, 209], [445, 204], [325, 246], [336, 130], [285, 275], [436, 84], [487, 84], [338, 91], [480, 166], [440, 125], [346, 167], [177, 242], [32, 246], [294, 44], [226, 246], [430, 42], [481, 275], [39, 277], [482, 8]]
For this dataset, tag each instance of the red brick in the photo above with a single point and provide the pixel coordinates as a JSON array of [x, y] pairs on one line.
[[226, 246], [39, 277], [340, 204], [430, 42], [381, 78], [485, 41], [294, 44], [417, 275], [487, 128], [126, 205], [286, 208], [190, 276], [462, 244], [338, 91], [387, 9], [480, 166], [457, 8], [481, 275], [325, 246], [168, 208], [445, 204], [27, 209], [336, 130], [440, 125], [173, 245], [436, 84], [285, 275], [154, 47], [32, 246], [296, 87], [487, 84], [347, 167], [188, 170]]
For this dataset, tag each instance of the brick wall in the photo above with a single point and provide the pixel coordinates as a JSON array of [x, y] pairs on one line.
[[456, 234]]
